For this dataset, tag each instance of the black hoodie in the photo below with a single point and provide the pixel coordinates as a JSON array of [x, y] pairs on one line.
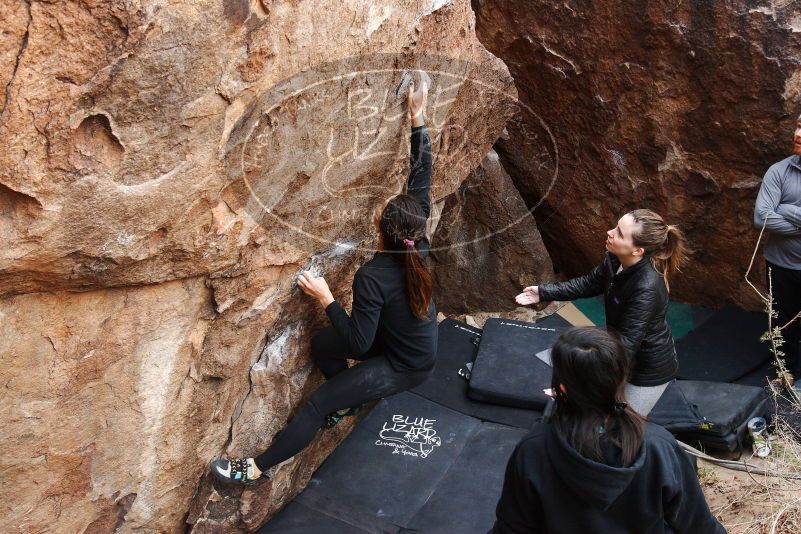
[[550, 488]]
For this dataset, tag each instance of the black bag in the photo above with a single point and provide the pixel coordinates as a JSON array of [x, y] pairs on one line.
[[507, 370], [712, 415]]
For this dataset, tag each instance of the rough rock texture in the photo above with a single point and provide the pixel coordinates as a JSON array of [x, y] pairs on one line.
[[166, 170], [487, 246], [676, 106]]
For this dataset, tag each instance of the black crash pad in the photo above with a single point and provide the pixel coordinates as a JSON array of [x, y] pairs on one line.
[[554, 321], [725, 347], [726, 406], [457, 345], [674, 411], [410, 466], [391, 464], [713, 415], [507, 370], [299, 519], [759, 376], [466, 498]]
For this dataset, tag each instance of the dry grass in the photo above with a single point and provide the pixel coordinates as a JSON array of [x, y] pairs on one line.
[[747, 503]]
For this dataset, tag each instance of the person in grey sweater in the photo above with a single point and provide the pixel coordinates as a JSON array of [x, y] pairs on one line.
[[778, 210]]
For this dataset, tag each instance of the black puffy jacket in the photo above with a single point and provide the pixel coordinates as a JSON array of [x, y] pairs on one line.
[[636, 302]]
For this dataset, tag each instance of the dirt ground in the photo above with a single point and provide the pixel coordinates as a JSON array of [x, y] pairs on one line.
[[756, 504]]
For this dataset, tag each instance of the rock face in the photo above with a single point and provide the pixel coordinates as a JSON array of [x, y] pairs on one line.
[[166, 171], [487, 246], [677, 107]]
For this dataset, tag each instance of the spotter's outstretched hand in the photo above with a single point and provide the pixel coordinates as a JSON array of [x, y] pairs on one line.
[[530, 295]]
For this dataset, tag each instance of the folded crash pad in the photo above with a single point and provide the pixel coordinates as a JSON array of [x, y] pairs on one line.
[[457, 346], [507, 370]]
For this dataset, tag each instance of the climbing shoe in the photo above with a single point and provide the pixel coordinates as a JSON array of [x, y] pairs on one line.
[[236, 471], [335, 417]]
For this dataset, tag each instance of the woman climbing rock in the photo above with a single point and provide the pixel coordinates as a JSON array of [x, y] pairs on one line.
[[642, 251], [596, 465], [392, 327]]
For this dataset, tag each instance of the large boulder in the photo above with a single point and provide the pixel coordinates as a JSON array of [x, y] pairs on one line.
[[166, 171], [487, 246], [675, 106]]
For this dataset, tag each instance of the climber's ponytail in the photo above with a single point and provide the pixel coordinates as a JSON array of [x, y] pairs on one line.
[[403, 226], [419, 284]]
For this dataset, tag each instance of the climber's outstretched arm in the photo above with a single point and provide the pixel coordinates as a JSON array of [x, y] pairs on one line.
[[419, 184]]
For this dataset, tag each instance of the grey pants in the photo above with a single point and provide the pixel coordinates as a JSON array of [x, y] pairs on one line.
[[643, 399]]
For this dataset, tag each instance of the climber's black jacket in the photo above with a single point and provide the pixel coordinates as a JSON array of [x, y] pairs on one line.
[[636, 301], [381, 319], [550, 488]]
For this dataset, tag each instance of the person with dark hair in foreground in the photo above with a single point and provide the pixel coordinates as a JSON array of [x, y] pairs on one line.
[[392, 328], [642, 251], [596, 465]]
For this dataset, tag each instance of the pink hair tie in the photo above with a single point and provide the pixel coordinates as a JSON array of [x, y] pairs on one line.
[[408, 242]]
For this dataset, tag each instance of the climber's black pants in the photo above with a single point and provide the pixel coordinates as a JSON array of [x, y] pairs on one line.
[[345, 387]]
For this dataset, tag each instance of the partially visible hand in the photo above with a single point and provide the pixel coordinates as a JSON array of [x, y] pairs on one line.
[[315, 287], [530, 295], [416, 101]]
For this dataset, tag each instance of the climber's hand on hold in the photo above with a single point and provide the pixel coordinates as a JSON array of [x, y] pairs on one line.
[[315, 287], [530, 295], [416, 101]]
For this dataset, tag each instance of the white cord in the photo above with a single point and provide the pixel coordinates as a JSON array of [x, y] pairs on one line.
[[738, 466]]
